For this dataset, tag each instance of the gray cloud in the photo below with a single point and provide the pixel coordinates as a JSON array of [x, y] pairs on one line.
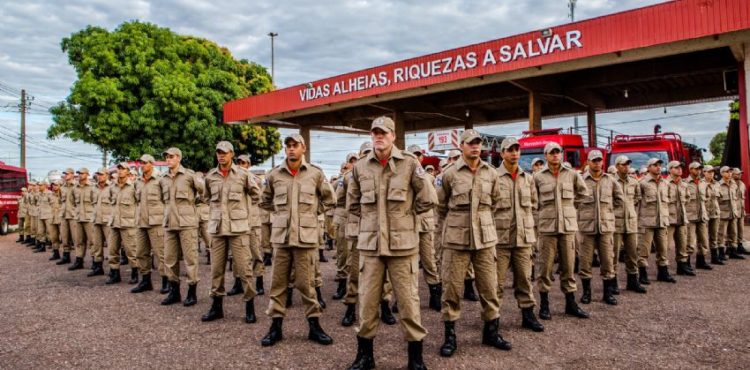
[[316, 40]]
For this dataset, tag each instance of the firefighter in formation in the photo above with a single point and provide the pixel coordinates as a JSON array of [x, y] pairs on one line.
[[466, 223]]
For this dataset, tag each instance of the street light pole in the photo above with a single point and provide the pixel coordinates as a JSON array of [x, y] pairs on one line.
[[273, 79], [572, 7]]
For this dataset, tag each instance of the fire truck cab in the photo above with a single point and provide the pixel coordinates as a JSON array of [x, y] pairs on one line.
[[666, 146], [532, 146]]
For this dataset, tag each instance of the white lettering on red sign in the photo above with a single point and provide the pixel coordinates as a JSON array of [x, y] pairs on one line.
[[447, 65]]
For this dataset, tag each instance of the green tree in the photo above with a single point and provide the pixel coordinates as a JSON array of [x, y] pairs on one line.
[[716, 147], [143, 88]]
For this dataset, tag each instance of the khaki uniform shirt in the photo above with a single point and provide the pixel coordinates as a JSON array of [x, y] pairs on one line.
[[296, 202], [426, 220], [230, 199], [45, 205], [678, 199], [740, 197], [124, 203], [178, 193], [387, 200], [696, 206], [352, 220], [150, 202], [626, 217], [728, 200], [653, 212], [85, 199], [514, 214], [467, 201], [33, 208], [103, 209], [254, 218], [69, 204], [23, 208], [557, 194], [712, 199], [56, 204], [596, 210], [340, 214]]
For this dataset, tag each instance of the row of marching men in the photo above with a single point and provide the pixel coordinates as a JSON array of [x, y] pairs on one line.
[[489, 221]]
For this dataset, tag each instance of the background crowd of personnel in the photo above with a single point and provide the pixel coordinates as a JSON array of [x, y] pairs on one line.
[[464, 225]]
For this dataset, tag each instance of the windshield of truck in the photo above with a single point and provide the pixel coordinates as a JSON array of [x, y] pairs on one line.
[[640, 159], [528, 155]]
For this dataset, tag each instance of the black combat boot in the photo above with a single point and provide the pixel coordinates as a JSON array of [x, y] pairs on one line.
[[615, 286], [191, 298], [236, 288], [385, 314], [643, 276], [491, 336], [77, 265], [55, 255], [700, 263], [684, 269], [41, 247], [544, 312], [114, 277], [663, 275], [133, 276], [97, 269], [469, 293], [723, 254], [65, 259], [174, 294], [20, 238], [316, 333], [572, 309], [289, 295], [30, 241], [322, 256], [365, 359], [250, 317], [144, 285], [340, 290], [741, 249], [608, 296], [350, 316], [634, 285], [415, 356], [528, 320], [732, 253], [449, 341], [586, 294], [216, 311], [436, 291], [715, 260], [164, 285], [321, 302], [259, 290], [274, 333]]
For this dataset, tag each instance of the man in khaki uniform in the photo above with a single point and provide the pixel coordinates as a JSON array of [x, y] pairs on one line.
[[149, 235], [22, 215], [626, 225], [387, 190], [122, 224], [426, 228], [230, 191], [352, 235], [678, 220], [297, 192], [339, 222], [729, 213], [471, 191], [102, 215], [84, 195], [712, 210], [53, 224], [180, 187], [33, 214], [516, 234], [697, 215], [68, 225], [653, 220], [44, 210], [741, 192], [596, 221], [558, 187]]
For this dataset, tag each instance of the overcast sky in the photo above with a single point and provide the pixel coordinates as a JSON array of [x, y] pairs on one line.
[[316, 40]]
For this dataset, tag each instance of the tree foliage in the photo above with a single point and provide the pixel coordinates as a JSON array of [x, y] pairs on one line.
[[716, 147], [143, 88]]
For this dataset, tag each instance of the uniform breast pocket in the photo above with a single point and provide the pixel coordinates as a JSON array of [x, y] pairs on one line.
[[461, 194], [525, 197], [367, 190], [486, 196], [215, 192], [567, 191], [307, 194], [280, 195], [547, 193], [397, 190]]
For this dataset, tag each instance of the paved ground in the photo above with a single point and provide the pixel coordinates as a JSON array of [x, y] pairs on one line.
[[52, 318]]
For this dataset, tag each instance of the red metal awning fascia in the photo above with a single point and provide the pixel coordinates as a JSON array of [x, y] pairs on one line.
[[658, 24]]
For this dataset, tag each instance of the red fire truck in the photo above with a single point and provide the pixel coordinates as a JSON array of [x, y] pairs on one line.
[[12, 179], [666, 146], [533, 142]]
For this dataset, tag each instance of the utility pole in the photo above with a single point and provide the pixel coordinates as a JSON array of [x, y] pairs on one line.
[[23, 128], [572, 14], [104, 158], [273, 82]]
